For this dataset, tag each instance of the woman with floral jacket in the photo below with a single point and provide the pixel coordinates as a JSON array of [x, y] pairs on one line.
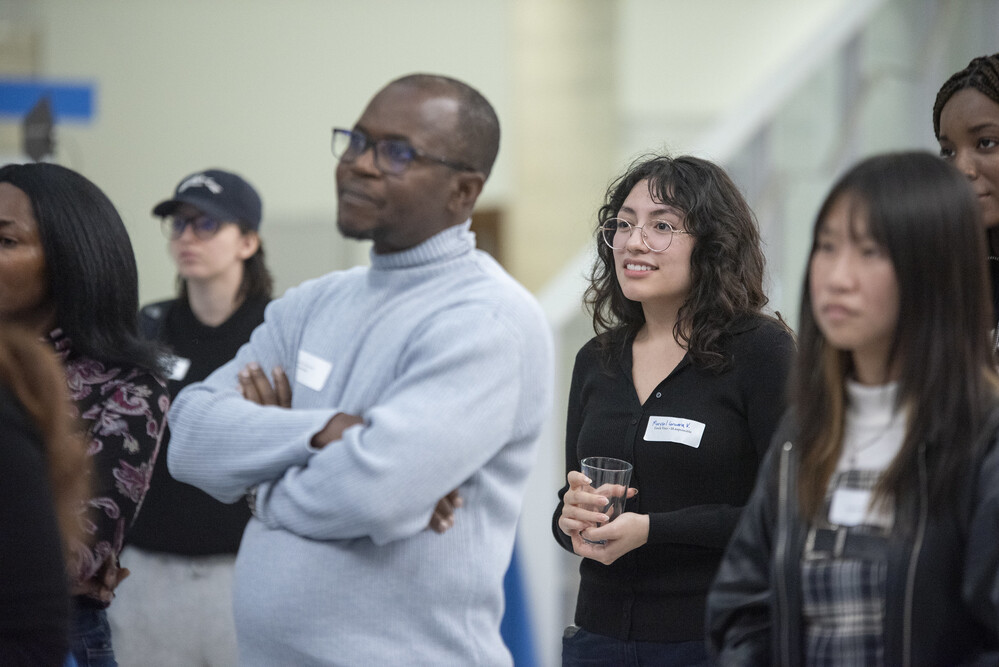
[[67, 273]]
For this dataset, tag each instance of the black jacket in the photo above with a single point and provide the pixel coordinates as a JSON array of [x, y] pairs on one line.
[[942, 582]]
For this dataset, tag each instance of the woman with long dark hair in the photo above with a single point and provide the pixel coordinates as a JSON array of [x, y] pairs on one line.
[[871, 537], [68, 274], [684, 380]]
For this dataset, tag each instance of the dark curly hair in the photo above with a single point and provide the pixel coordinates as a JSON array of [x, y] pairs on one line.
[[982, 74], [726, 264]]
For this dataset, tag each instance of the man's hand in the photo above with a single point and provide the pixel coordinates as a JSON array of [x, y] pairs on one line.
[[103, 584], [255, 386], [443, 517], [334, 429]]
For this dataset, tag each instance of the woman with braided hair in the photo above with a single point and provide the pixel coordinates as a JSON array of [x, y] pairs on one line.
[[966, 123]]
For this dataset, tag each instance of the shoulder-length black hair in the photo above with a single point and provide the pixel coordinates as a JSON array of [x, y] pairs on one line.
[[924, 214], [726, 264], [89, 264]]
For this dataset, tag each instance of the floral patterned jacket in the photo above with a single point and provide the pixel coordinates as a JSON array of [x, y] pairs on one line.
[[123, 411]]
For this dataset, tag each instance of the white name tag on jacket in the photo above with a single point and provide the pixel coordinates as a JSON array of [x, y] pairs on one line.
[[312, 371], [852, 507], [674, 429], [178, 368], [849, 506]]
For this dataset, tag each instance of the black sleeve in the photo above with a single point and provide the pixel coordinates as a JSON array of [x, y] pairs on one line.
[[739, 621], [980, 585], [764, 365], [34, 598]]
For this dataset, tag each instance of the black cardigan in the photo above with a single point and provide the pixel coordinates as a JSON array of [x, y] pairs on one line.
[[693, 495]]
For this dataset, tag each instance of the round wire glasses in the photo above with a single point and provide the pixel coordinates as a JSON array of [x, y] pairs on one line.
[[656, 235]]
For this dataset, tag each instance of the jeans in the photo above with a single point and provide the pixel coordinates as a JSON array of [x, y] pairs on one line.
[[586, 649], [90, 639]]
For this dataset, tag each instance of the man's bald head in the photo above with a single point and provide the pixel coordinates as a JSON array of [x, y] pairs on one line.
[[477, 134]]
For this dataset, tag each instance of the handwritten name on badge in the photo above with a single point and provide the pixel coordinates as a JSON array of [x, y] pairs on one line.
[[674, 429], [311, 370]]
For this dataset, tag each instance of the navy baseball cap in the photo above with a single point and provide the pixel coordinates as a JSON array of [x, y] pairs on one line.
[[219, 194]]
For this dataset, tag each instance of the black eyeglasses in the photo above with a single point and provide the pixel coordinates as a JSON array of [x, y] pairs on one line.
[[203, 226], [392, 156]]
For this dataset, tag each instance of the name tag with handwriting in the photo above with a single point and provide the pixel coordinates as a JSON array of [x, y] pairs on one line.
[[674, 429]]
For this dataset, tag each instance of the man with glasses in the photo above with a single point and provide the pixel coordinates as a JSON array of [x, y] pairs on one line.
[[429, 371], [176, 608]]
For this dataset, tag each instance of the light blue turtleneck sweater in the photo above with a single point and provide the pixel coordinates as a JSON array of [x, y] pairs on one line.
[[449, 361]]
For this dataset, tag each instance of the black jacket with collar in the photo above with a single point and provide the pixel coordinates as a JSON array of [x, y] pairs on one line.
[[942, 593]]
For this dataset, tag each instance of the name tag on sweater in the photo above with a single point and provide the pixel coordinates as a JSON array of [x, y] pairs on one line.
[[312, 371], [674, 429], [178, 368]]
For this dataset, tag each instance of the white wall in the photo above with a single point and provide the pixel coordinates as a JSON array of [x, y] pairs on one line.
[[253, 86]]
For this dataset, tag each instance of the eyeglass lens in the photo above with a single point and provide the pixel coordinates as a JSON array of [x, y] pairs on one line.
[[203, 226], [391, 155], [657, 235]]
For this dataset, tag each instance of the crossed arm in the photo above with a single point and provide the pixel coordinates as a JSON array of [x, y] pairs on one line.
[[255, 386]]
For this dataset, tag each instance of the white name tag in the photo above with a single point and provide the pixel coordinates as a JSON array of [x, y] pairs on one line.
[[178, 368], [312, 371], [674, 429], [849, 507]]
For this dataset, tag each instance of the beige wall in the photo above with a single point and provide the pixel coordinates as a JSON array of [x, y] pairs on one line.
[[255, 85]]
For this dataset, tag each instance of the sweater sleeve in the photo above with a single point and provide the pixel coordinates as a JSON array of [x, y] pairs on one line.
[[762, 362], [450, 409], [224, 444]]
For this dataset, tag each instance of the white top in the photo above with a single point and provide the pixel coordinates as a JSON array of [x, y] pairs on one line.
[[874, 429]]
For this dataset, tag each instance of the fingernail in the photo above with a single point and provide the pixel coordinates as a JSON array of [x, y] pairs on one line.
[[278, 370], [253, 366], [588, 480], [603, 501], [605, 518], [243, 374]]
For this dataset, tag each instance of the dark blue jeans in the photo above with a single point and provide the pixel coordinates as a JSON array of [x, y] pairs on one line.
[[90, 639], [586, 649]]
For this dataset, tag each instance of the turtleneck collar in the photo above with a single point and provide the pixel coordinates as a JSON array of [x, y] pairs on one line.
[[871, 406], [452, 242]]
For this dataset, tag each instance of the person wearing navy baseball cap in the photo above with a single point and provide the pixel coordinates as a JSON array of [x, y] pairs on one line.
[[177, 607]]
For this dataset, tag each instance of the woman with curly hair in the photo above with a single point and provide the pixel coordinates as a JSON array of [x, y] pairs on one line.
[[685, 381], [68, 274]]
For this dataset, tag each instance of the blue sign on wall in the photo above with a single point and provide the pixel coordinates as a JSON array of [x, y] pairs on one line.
[[70, 101]]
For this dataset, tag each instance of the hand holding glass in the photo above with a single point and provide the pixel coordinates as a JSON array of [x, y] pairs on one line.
[[609, 477]]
